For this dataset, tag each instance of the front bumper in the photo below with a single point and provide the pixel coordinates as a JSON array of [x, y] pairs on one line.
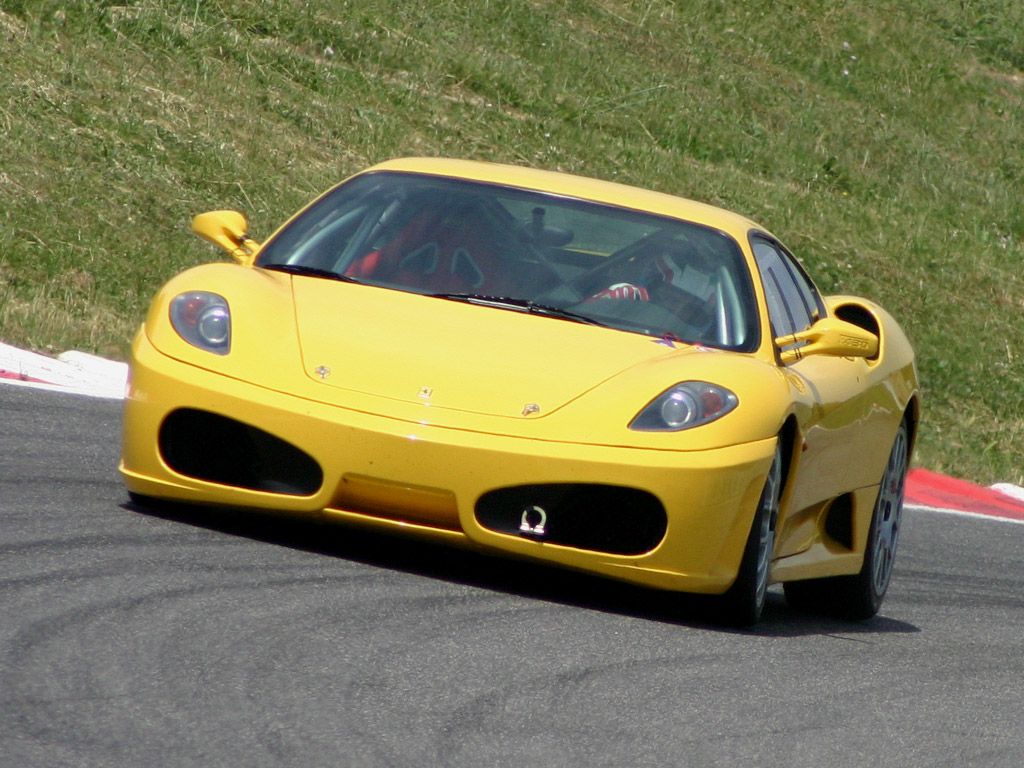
[[427, 480]]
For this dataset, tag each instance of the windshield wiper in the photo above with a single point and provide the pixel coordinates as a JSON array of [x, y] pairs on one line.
[[520, 305], [299, 269]]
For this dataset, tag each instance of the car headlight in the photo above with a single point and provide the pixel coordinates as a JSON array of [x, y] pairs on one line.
[[685, 405], [203, 320]]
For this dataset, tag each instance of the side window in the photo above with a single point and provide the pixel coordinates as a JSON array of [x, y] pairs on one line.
[[812, 299], [793, 302]]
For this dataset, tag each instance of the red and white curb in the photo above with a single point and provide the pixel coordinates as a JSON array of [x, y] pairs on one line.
[[84, 374], [941, 493], [74, 372]]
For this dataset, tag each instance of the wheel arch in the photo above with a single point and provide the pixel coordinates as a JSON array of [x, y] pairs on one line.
[[789, 438], [912, 415]]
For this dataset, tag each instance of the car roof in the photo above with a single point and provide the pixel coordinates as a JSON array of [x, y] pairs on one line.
[[581, 187]]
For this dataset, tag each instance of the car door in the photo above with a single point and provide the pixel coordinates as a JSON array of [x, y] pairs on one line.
[[831, 396]]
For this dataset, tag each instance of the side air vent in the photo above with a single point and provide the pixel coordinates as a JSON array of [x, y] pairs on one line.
[[839, 521]]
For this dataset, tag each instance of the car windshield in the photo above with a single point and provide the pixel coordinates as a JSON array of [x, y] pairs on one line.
[[529, 251]]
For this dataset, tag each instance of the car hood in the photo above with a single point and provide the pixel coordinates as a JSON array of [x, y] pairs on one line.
[[452, 355], [445, 364]]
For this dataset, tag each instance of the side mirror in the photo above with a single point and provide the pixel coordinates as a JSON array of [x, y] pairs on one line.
[[828, 336], [229, 230]]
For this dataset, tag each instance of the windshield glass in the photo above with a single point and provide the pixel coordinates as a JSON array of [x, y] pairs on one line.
[[462, 240]]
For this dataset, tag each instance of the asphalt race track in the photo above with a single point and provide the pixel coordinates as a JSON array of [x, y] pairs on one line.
[[205, 638]]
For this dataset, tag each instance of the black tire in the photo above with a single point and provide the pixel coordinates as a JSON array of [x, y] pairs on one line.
[[860, 597], [744, 603]]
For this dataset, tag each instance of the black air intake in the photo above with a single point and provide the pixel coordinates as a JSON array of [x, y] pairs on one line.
[[602, 518], [217, 449]]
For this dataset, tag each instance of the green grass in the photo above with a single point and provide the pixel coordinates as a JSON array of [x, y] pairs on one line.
[[881, 141]]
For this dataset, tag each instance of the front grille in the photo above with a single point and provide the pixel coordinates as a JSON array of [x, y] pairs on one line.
[[602, 518], [217, 449]]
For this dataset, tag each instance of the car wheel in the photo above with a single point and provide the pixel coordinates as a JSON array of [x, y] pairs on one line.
[[860, 597], [744, 602]]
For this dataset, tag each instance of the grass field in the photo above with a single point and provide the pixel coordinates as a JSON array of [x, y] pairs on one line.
[[883, 142]]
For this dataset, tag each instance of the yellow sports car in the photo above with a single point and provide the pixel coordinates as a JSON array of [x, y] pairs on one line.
[[537, 365]]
